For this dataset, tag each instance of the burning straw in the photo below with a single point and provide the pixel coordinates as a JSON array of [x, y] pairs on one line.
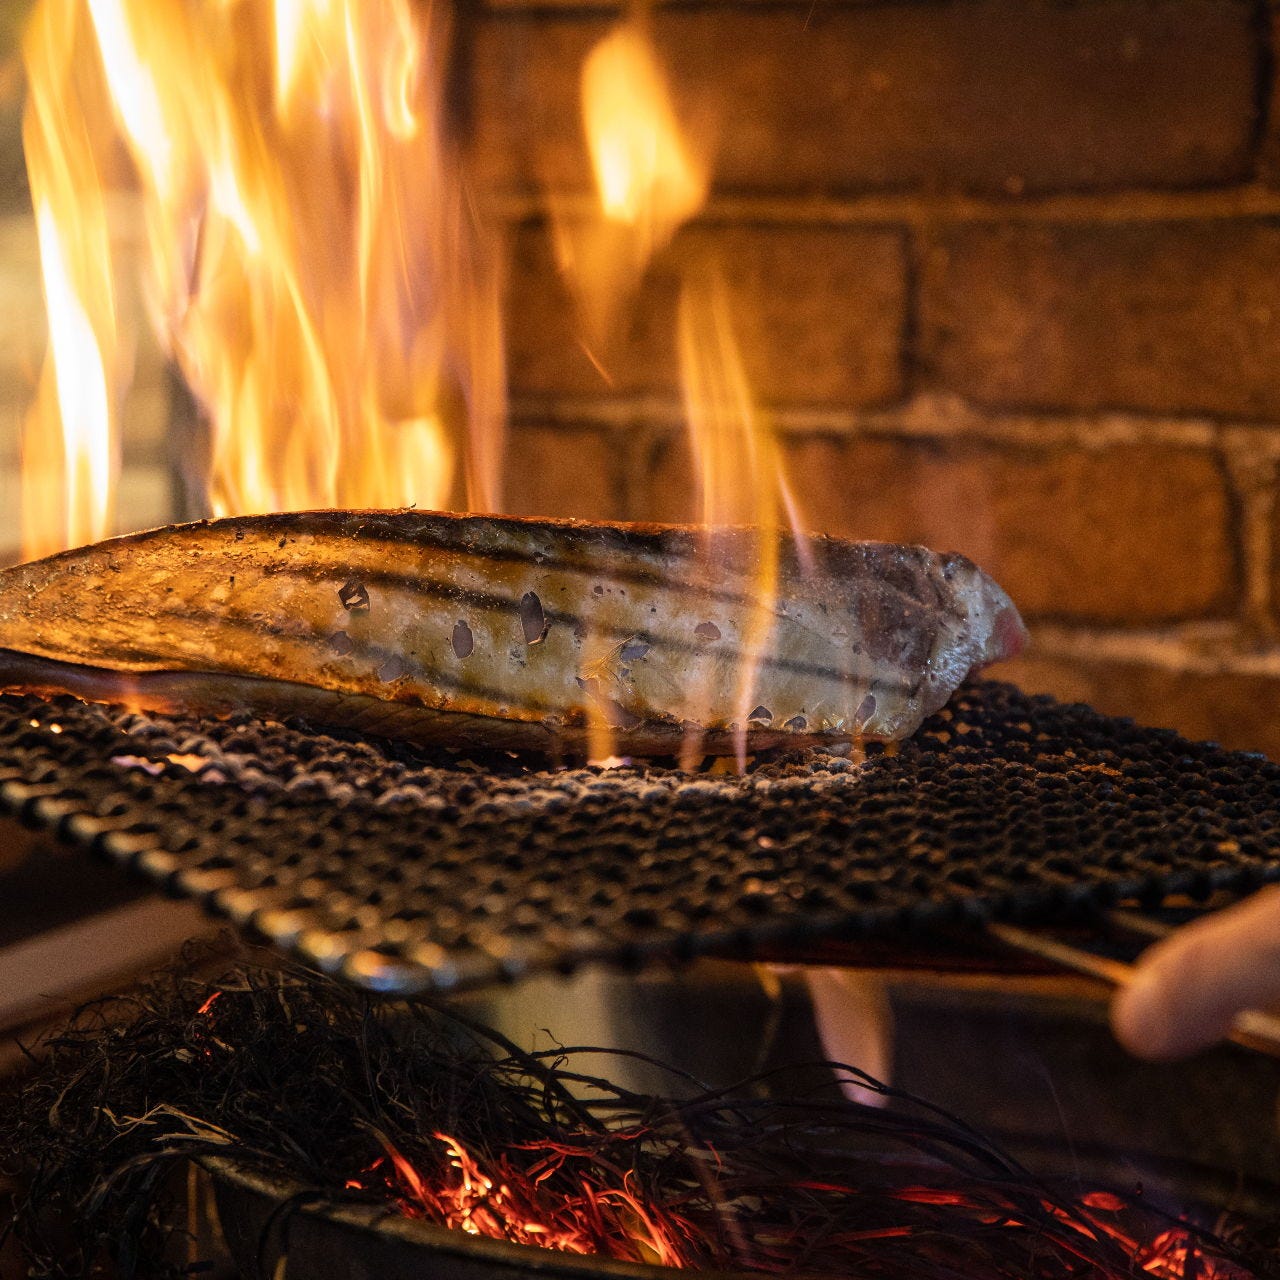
[[416, 1107]]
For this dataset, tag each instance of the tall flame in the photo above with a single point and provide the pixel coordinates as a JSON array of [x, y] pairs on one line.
[[314, 266], [649, 176], [649, 180], [646, 173], [69, 440], [735, 455], [738, 460]]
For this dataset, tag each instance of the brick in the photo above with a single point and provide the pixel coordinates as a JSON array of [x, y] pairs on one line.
[[819, 312], [563, 471], [1166, 317], [1126, 534], [1275, 557], [1236, 710], [995, 95]]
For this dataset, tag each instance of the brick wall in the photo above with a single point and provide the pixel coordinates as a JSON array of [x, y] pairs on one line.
[[1008, 276]]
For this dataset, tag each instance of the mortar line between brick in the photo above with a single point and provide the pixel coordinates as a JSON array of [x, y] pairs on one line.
[[1112, 207], [924, 416], [1194, 648], [1252, 478]]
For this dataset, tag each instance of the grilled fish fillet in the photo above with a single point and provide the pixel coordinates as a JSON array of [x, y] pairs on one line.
[[504, 632]]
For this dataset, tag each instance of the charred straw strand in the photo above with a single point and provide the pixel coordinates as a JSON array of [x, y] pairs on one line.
[[297, 1076]]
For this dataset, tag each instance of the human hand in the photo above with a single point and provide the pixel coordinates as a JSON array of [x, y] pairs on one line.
[[1187, 990]]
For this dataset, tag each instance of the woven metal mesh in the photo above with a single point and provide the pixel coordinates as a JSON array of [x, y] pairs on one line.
[[409, 870]]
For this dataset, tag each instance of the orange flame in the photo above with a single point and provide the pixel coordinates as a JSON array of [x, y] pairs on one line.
[[649, 178], [69, 441], [648, 181], [737, 457], [314, 266], [504, 1204], [645, 171], [735, 454]]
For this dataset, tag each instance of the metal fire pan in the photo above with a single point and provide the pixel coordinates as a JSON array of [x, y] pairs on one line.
[[1035, 1067], [406, 870]]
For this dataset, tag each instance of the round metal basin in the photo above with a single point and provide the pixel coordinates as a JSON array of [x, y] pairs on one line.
[[1030, 1061]]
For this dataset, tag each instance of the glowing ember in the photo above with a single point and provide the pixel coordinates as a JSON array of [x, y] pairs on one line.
[[504, 1202], [288, 1072]]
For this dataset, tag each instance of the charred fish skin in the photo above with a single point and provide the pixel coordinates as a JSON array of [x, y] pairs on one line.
[[513, 631]]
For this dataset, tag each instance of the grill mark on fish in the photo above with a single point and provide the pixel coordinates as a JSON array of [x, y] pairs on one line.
[[375, 653], [550, 564], [684, 554], [882, 561]]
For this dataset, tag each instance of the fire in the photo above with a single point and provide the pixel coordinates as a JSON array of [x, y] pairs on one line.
[[645, 171], [83, 399], [69, 441], [650, 178], [290, 20], [313, 263], [504, 1203], [737, 457], [647, 1185]]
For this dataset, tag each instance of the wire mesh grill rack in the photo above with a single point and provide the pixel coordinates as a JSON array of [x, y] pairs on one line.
[[409, 870]]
